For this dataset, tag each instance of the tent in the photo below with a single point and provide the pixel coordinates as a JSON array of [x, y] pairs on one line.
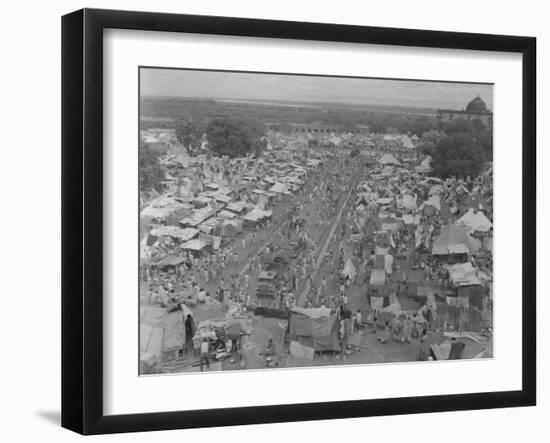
[[315, 328], [349, 270], [454, 239], [279, 188], [238, 207], [377, 282], [194, 245], [407, 142], [169, 260], [257, 214], [162, 207], [407, 201], [463, 274], [475, 221], [162, 333], [388, 159], [425, 165], [197, 217], [175, 232]]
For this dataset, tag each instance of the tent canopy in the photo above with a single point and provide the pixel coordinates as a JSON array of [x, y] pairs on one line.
[[279, 188], [454, 239], [315, 329], [377, 277], [475, 221], [162, 331], [175, 232], [463, 274], [349, 270], [388, 159]]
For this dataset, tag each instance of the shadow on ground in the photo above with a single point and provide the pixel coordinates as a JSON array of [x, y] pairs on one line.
[[54, 417]]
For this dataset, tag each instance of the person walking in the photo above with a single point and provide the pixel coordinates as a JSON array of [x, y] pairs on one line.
[[205, 354]]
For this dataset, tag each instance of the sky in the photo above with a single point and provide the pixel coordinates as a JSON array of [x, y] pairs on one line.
[[253, 86]]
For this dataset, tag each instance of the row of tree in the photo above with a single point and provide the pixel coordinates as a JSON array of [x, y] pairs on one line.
[[459, 149], [233, 137]]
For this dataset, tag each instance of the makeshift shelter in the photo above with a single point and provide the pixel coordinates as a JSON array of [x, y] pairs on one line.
[[425, 165], [257, 215], [226, 215], [168, 261], [467, 283], [475, 221], [195, 245], [456, 346], [197, 217], [230, 228], [407, 201], [279, 188], [377, 293], [316, 328], [163, 207], [238, 207], [388, 159], [210, 225], [162, 334], [349, 270], [407, 142], [454, 239], [175, 232]]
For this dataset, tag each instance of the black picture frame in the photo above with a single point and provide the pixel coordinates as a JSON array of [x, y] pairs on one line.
[[82, 220]]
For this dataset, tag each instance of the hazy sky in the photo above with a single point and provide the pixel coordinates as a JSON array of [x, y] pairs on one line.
[[243, 86]]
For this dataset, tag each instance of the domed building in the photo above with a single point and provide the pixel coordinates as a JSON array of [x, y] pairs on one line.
[[475, 109]]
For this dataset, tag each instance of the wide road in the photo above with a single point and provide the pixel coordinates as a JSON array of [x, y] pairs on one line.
[[323, 250]]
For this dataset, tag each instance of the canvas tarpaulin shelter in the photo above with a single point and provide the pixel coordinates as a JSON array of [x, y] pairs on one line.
[[475, 221], [169, 260], [425, 166], [175, 232], [194, 245], [319, 332], [349, 270], [279, 188], [388, 159], [454, 239], [257, 214], [161, 332], [463, 274]]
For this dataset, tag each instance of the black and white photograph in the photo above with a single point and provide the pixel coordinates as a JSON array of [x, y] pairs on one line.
[[293, 220]]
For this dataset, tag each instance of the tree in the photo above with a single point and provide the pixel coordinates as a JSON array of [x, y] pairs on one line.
[[485, 140], [354, 152], [283, 127], [188, 132], [458, 155], [421, 125], [463, 126], [235, 137], [429, 141], [151, 173]]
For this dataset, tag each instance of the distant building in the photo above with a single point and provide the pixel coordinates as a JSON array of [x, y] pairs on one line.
[[321, 128], [476, 109]]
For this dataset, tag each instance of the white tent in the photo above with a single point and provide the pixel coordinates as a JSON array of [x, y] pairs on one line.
[[279, 188], [349, 270], [388, 159], [176, 232], [475, 221], [257, 214], [407, 201], [425, 165], [463, 274], [407, 142], [194, 245]]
